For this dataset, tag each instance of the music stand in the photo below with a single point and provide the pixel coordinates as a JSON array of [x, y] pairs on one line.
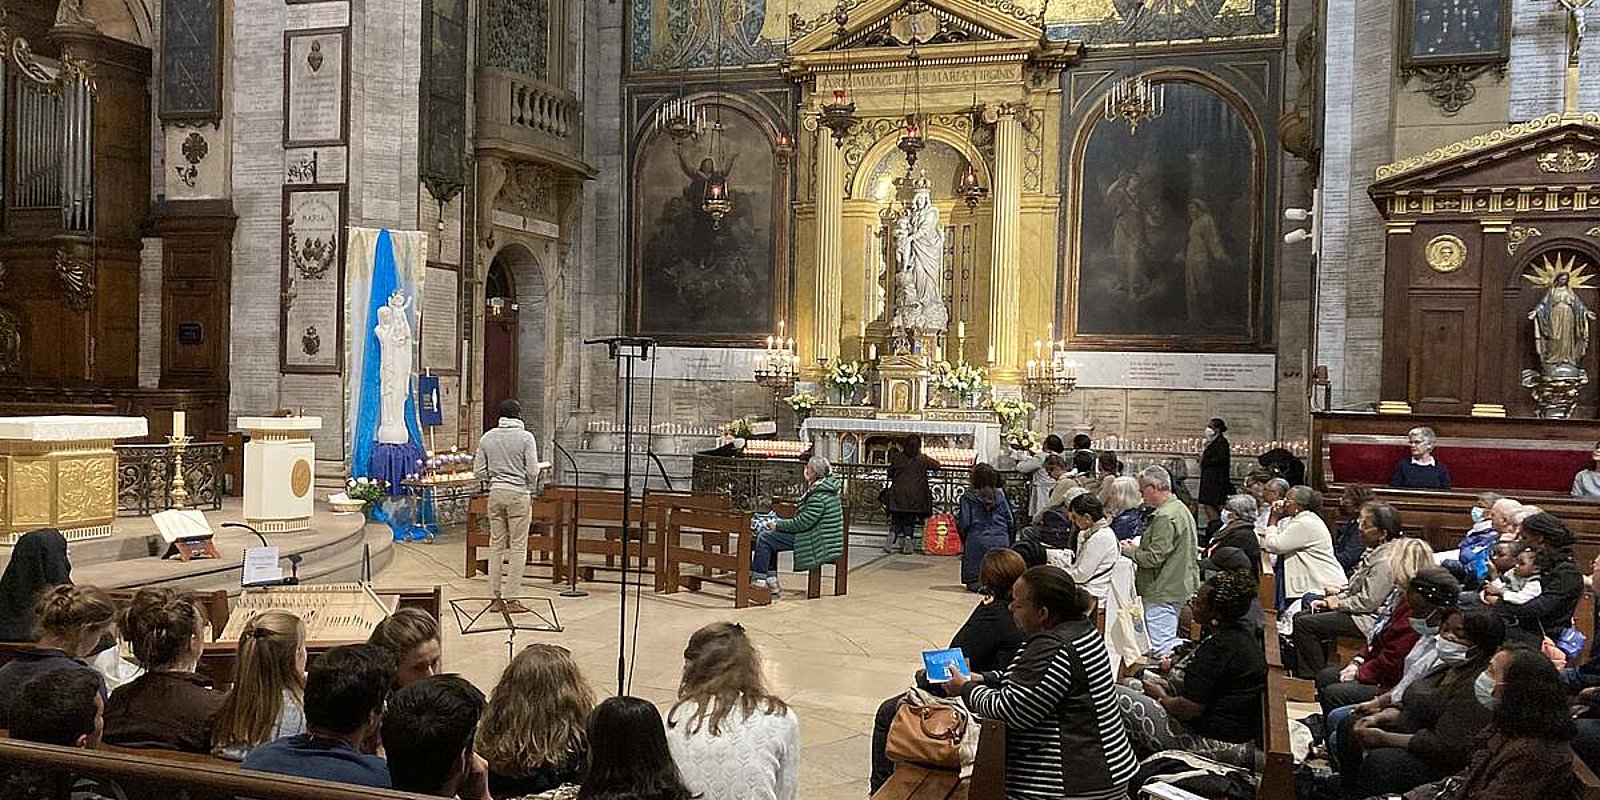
[[473, 615]]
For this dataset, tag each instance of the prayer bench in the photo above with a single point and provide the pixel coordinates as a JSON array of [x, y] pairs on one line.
[[988, 781]]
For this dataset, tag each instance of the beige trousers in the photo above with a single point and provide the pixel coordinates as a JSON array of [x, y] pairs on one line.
[[509, 515]]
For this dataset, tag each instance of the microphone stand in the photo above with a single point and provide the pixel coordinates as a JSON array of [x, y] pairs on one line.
[[625, 350], [572, 589]]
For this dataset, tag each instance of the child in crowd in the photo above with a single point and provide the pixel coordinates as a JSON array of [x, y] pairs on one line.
[[1518, 586]]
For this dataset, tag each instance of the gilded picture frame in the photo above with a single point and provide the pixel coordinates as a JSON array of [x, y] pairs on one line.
[[1435, 33]]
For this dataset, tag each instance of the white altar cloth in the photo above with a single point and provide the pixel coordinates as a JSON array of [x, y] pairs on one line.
[[825, 433], [63, 428]]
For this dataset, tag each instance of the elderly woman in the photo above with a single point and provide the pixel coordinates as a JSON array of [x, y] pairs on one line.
[[1353, 610], [1124, 507], [815, 533], [1421, 470], [1238, 530], [1586, 484], [1300, 540]]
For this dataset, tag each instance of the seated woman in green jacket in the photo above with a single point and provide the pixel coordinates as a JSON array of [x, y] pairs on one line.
[[815, 533]]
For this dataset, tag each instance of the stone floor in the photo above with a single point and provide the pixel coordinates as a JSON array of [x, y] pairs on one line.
[[833, 659]]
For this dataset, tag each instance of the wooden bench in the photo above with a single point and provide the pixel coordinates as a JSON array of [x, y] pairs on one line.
[[545, 544], [723, 553], [157, 774], [988, 781], [841, 565]]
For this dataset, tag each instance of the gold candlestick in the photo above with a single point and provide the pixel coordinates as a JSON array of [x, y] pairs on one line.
[[180, 492]]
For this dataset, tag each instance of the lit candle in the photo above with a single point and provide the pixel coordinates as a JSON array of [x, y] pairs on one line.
[[1038, 348], [839, 96], [938, 352], [961, 329], [178, 419], [780, 329], [872, 352], [991, 354], [863, 330], [1032, 365], [1050, 331], [790, 346], [769, 344]]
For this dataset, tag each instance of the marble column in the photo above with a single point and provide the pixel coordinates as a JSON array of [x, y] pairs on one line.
[[1004, 277], [830, 253]]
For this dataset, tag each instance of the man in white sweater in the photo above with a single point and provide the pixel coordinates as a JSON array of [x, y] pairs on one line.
[[508, 458]]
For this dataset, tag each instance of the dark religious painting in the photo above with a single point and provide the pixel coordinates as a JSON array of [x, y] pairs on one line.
[[444, 84], [191, 61], [697, 278], [1167, 243], [1456, 31]]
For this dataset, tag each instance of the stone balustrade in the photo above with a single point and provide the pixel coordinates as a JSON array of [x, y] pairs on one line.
[[524, 112]]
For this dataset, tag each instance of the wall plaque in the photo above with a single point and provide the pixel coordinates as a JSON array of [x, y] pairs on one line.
[[444, 83], [191, 61], [441, 321], [312, 316], [316, 87]]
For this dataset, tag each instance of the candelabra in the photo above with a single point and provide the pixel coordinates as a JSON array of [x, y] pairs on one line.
[[180, 491], [1135, 100], [779, 368], [1047, 379]]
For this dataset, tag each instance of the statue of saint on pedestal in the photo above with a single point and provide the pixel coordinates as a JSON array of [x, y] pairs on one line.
[[919, 248], [394, 368], [1561, 324]]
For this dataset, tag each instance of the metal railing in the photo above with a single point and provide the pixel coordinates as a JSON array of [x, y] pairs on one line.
[[144, 476]]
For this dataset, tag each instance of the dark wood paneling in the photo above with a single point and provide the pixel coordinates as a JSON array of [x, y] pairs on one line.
[[1442, 342], [196, 287]]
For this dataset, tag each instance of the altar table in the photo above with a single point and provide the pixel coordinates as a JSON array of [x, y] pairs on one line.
[[843, 440], [61, 472]]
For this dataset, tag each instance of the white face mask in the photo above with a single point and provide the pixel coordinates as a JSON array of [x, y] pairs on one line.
[[1483, 688], [1451, 653]]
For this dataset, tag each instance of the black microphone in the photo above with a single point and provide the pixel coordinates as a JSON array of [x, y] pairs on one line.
[[248, 528]]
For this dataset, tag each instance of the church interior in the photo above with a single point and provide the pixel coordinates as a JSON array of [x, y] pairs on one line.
[[279, 279]]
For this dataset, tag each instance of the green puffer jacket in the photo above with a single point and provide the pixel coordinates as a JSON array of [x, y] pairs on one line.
[[818, 526]]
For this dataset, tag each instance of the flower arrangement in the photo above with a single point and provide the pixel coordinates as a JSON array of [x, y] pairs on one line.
[[846, 376], [739, 428], [1020, 438], [367, 490], [963, 380], [1012, 413], [803, 404]]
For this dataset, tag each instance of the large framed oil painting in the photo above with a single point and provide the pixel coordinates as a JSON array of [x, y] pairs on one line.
[[1167, 225], [697, 279], [1451, 32]]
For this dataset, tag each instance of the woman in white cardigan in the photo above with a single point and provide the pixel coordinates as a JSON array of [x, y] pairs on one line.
[[731, 738], [1101, 569], [1301, 540]]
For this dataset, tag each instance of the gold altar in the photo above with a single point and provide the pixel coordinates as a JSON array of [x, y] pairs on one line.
[[1000, 254], [60, 472]]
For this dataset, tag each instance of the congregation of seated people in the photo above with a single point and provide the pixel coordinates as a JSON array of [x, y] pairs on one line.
[[1120, 642]]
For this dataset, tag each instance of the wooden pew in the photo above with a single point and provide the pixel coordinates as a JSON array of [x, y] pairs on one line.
[[589, 509], [658, 510], [988, 781], [723, 553], [841, 565], [153, 774], [545, 544], [1277, 779]]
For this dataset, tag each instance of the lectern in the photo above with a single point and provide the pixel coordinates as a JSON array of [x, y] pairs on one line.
[[278, 463]]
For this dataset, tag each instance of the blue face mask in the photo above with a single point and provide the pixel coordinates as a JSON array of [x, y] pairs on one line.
[[1483, 687], [1478, 515], [1422, 627]]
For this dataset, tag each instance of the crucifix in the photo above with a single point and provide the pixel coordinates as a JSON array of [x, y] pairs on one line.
[[1575, 30]]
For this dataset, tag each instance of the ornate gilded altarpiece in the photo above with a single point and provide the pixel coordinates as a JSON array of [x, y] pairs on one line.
[[1471, 226]]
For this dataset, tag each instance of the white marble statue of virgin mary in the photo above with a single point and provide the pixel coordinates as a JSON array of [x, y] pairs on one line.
[[919, 246], [394, 368]]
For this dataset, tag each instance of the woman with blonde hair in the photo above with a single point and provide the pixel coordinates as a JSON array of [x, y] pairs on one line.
[[731, 738], [413, 636], [533, 732], [1123, 507], [269, 686]]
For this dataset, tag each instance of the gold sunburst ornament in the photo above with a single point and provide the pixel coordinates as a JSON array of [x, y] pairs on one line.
[[1557, 263]]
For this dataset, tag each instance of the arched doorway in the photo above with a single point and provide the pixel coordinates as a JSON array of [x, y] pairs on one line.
[[499, 340]]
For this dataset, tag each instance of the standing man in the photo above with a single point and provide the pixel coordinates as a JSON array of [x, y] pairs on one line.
[[508, 458], [1167, 560]]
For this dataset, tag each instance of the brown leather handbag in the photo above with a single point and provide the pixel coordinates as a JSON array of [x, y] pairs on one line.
[[927, 735]]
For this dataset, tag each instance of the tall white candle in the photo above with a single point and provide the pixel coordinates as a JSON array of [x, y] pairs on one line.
[[178, 424]]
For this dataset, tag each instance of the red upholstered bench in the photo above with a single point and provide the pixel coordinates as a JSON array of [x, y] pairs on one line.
[[1504, 465]]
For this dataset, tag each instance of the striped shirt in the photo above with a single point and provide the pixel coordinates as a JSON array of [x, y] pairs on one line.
[[1064, 735]]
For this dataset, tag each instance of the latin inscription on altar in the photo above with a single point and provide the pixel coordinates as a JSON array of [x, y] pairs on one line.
[[315, 87]]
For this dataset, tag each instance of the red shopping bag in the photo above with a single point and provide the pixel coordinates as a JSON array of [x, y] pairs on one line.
[[940, 538]]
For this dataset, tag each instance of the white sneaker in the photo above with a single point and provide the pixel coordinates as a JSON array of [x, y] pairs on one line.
[[774, 588]]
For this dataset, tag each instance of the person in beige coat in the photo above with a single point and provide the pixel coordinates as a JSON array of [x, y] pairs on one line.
[[1300, 539]]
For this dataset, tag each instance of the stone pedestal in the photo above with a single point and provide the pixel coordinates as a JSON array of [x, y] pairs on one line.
[[278, 461], [61, 472]]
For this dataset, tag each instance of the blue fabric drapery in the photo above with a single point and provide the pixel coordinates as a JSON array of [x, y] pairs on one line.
[[389, 462]]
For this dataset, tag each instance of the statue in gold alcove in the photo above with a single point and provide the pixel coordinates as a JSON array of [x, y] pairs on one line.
[[1561, 334]]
